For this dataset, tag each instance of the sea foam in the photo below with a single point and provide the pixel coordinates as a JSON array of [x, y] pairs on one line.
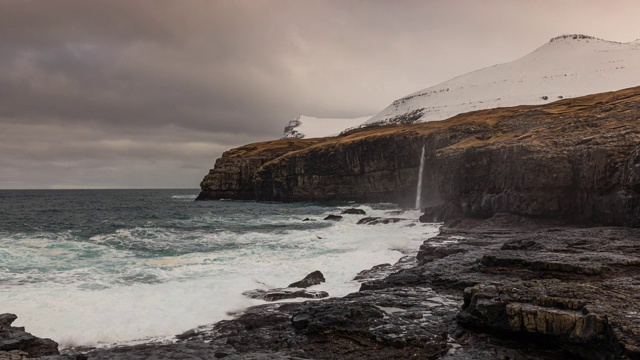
[[144, 283]]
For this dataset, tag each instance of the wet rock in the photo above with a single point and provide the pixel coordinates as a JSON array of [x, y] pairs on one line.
[[313, 278], [353, 211], [333, 218], [14, 355], [379, 220], [7, 319], [17, 339], [284, 293], [540, 308], [308, 219], [390, 324], [375, 272]]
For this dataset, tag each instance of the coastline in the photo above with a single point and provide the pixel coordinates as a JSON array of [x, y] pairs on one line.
[[505, 287]]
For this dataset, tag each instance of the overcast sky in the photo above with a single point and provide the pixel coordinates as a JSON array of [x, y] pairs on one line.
[[147, 94]]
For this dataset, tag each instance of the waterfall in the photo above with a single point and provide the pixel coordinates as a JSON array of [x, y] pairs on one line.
[[419, 192]]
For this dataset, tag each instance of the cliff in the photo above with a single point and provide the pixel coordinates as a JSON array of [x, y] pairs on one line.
[[233, 174], [575, 159]]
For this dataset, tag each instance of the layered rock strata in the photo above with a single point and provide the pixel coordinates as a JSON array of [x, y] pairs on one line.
[[233, 174], [575, 159]]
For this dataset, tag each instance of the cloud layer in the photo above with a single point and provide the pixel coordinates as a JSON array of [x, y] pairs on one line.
[[149, 93]]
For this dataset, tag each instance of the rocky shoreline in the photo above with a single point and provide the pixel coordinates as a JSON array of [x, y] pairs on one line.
[[506, 278], [507, 287]]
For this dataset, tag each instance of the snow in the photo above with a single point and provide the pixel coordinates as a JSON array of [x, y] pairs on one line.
[[313, 127], [565, 67]]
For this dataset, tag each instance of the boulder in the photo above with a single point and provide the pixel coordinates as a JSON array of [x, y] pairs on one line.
[[17, 339], [313, 278], [284, 293], [353, 211], [333, 218], [379, 220]]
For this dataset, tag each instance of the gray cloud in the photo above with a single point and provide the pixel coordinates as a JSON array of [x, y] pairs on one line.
[[148, 93]]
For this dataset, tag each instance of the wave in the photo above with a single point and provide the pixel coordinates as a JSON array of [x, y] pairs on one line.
[[184, 196], [166, 280]]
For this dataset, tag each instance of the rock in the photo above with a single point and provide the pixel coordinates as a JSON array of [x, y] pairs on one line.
[[17, 339], [313, 278], [308, 219], [379, 220], [353, 211], [333, 218], [300, 321], [373, 272], [440, 213], [234, 172], [7, 319], [284, 293]]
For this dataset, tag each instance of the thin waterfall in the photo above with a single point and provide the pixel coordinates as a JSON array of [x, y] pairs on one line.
[[419, 192]]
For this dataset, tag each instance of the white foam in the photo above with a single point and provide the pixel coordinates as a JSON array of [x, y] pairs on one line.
[[184, 196]]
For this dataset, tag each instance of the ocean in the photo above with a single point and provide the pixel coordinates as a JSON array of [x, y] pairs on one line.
[[105, 267]]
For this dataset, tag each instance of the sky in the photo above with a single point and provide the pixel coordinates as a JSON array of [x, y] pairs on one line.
[[148, 94]]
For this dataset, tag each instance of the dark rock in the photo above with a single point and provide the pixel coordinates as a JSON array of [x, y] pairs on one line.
[[313, 278], [284, 293], [353, 211], [300, 321], [333, 218], [440, 213], [379, 220], [7, 319], [15, 338], [373, 272], [308, 219]]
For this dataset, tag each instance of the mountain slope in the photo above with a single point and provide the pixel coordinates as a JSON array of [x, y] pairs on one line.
[[567, 66], [313, 127]]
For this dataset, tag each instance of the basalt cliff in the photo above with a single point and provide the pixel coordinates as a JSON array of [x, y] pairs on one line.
[[575, 159]]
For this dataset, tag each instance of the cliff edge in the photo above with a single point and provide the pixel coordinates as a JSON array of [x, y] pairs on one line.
[[575, 159]]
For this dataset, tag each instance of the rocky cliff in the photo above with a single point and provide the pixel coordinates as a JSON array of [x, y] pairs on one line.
[[233, 174], [576, 159]]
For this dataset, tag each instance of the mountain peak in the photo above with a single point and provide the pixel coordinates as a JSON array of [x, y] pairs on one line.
[[567, 66]]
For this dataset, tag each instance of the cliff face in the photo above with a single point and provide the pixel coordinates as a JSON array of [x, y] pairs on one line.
[[576, 159], [233, 174]]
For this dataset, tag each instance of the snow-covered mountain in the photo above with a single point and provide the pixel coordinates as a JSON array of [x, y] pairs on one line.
[[567, 66], [312, 127]]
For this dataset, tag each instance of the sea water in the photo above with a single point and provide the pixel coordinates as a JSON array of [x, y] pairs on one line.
[[104, 267]]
